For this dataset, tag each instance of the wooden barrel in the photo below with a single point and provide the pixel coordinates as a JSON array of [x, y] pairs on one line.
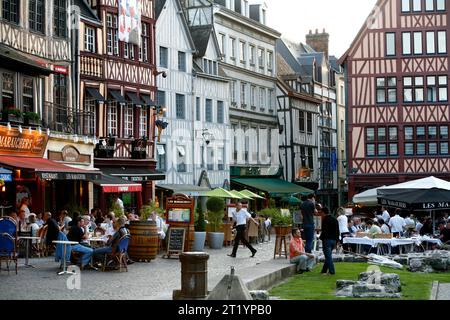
[[144, 240]]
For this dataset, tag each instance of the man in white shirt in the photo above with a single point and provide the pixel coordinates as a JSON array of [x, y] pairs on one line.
[[385, 215], [397, 224], [241, 215], [119, 203], [160, 224]]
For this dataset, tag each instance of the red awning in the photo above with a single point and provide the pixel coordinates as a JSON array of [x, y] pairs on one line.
[[112, 184], [48, 169]]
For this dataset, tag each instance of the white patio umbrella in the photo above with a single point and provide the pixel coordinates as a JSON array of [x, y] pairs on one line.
[[367, 198]]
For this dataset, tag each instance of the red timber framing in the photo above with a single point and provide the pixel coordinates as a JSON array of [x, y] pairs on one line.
[[380, 51], [109, 69]]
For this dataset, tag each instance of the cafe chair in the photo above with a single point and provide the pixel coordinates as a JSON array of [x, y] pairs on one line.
[[7, 250], [119, 257]]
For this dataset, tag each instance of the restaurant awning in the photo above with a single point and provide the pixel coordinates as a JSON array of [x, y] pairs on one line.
[[148, 101], [117, 96], [111, 184], [189, 190], [134, 174], [134, 98], [11, 58], [47, 169], [274, 187], [94, 93]]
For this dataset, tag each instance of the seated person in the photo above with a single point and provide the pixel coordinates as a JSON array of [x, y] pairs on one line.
[[444, 233], [52, 228], [304, 261], [113, 242], [78, 234], [160, 224], [373, 228]]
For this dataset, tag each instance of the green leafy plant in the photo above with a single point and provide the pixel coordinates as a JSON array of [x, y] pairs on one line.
[[200, 224], [276, 217], [13, 111], [33, 116], [146, 211], [215, 208]]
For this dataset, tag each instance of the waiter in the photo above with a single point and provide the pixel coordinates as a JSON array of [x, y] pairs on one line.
[[241, 216]]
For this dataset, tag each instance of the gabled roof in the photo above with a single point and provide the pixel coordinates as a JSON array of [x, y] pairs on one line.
[[86, 11], [201, 35], [159, 6], [334, 64]]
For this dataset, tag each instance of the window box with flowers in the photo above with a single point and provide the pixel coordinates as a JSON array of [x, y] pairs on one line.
[[12, 115], [31, 119]]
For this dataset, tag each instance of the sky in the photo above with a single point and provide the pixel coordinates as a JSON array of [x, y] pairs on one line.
[[342, 19]]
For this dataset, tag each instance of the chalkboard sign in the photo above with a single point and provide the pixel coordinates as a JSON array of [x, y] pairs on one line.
[[175, 246]]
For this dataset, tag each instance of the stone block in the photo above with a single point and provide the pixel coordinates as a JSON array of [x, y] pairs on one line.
[[340, 284], [259, 294]]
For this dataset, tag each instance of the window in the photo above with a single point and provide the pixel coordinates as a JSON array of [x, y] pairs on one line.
[[409, 149], [269, 60], [7, 93], [406, 42], [382, 141], [220, 159], [181, 61], [243, 95], [431, 44], [440, 5], [242, 51], [112, 36], [393, 134], [89, 116], [443, 89], [301, 122], [443, 132], [36, 15], [210, 158], [126, 50], [27, 96], [60, 90], [262, 98], [89, 39], [253, 96], [252, 55], [145, 42], [406, 6], [128, 123], [418, 43], [11, 10], [309, 122], [180, 106], [417, 5], [437, 89], [160, 98], [444, 148], [409, 133], [386, 90], [220, 112], [143, 123], [413, 89], [59, 18], [420, 133], [233, 48], [198, 115], [426, 141], [222, 43], [163, 57], [208, 111], [261, 58], [161, 159], [233, 92], [112, 118], [270, 98], [390, 44], [429, 5], [442, 41]]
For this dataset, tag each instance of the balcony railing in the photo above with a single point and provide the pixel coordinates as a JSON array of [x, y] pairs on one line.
[[91, 65], [68, 120], [112, 147]]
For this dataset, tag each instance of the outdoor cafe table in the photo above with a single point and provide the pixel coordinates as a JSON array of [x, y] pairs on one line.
[[65, 243], [28, 239], [377, 243]]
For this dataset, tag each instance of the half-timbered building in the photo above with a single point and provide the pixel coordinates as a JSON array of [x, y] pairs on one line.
[[397, 71]]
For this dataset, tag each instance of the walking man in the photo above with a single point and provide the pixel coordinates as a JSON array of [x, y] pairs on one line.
[[329, 237], [241, 216]]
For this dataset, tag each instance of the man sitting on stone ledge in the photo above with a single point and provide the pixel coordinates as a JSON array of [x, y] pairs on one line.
[[304, 261]]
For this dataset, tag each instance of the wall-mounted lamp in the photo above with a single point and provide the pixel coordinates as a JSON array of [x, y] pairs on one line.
[[344, 163], [280, 128], [355, 170], [207, 136], [30, 131], [9, 126], [20, 128], [48, 131], [157, 73], [40, 130]]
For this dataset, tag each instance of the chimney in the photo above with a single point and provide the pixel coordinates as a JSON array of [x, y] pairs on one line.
[[318, 41]]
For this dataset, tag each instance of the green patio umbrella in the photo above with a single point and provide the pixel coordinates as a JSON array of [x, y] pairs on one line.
[[241, 195], [291, 200], [221, 193], [250, 194]]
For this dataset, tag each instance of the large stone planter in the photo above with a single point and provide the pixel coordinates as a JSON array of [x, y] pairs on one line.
[[199, 241], [215, 240]]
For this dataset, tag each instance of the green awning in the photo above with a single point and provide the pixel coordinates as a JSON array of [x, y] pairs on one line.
[[274, 187]]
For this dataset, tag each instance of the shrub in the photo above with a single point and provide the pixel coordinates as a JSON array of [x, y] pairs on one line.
[[200, 225], [215, 208], [276, 217], [33, 116]]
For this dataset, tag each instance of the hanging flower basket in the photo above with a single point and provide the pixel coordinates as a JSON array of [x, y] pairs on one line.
[[161, 125]]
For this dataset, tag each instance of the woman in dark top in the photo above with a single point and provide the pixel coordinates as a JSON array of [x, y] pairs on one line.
[[329, 237]]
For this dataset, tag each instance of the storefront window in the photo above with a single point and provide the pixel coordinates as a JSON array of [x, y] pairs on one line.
[[27, 94], [8, 90]]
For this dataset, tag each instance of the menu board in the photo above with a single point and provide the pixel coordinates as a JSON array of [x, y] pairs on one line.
[[175, 246], [179, 215]]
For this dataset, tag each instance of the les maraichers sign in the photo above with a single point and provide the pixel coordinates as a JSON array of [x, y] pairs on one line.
[[417, 206], [12, 142]]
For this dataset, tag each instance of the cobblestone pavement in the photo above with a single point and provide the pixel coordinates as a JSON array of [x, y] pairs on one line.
[[154, 280], [444, 291]]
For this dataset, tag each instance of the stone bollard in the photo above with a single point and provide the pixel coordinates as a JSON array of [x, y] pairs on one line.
[[194, 276]]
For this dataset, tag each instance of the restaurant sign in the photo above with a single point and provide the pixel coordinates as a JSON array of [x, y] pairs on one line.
[[15, 143], [68, 176], [69, 154]]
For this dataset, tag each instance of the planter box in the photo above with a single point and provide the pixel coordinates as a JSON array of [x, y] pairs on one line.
[[7, 117], [282, 230], [35, 123]]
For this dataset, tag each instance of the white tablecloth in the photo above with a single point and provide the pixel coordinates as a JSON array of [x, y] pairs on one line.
[[394, 242]]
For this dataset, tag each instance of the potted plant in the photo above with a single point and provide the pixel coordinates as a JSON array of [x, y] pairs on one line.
[[12, 114], [200, 228], [144, 241], [281, 222], [215, 208], [31, 119]]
